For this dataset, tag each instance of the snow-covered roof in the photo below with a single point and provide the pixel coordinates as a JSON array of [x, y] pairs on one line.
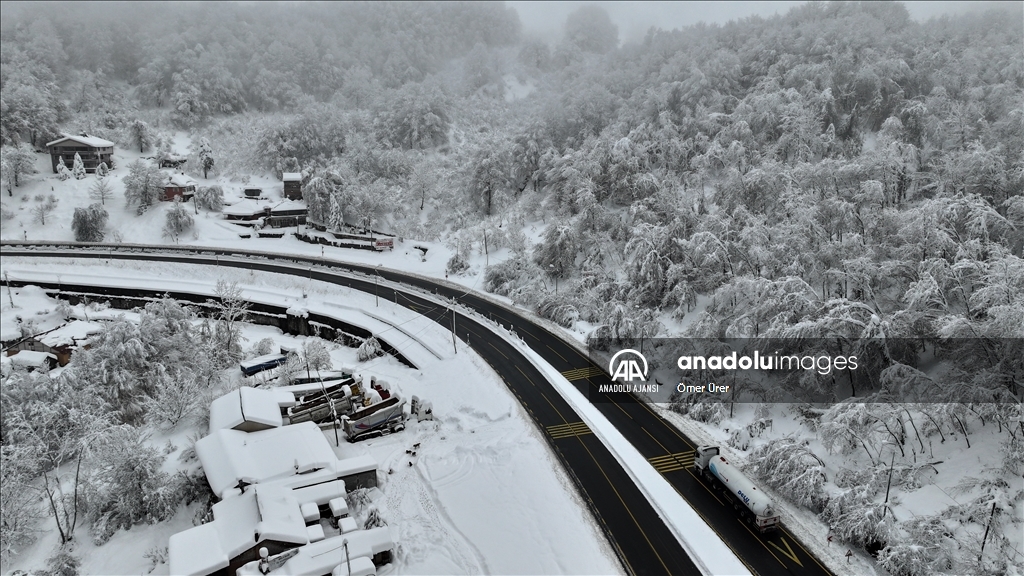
[[291, 177], [289, 205], [259, 360], [323, 556], [87, 140], [32, 358], [70, 334], [228, 456], [261, 513], [280, 515], [196, 551], [179, 181], [243, 209], [256, 406]]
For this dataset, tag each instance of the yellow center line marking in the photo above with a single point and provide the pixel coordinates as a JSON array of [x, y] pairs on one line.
[[619, 496], [788, 552], [744, 524], [496, 349], [556, 353]]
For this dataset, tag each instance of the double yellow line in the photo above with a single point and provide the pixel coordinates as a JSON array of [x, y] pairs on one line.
[[568, 430], [581, 373], [672, 462]]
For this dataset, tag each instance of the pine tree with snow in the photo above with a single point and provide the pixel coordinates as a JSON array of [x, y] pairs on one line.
[[78, 168], [102, 170], [62, 170]]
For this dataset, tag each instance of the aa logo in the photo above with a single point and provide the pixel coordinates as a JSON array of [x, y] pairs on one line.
[[627, 368]]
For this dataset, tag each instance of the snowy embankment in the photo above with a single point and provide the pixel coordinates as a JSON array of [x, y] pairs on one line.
[[476, 491]]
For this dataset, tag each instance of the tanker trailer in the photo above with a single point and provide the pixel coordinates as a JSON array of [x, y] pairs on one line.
[[752, 504]]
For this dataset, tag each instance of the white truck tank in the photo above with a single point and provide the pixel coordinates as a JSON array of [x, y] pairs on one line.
[[755, 500]]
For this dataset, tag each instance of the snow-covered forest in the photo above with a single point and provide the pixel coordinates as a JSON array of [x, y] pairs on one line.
[[838, 171]]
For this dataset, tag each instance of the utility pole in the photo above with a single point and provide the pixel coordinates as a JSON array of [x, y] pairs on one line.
[[348, 562], [454, 346], [8, 282]]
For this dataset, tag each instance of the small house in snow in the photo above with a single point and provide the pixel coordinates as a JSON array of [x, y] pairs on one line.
[[59, 342], [92, 150], [178, 185], [292, 185]]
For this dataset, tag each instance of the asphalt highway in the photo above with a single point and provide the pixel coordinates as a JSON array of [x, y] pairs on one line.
[[636, 532]]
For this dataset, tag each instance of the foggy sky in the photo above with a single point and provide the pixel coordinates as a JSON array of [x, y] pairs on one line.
[[635, 18]]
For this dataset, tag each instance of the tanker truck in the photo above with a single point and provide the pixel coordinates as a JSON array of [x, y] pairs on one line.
[[752, 504]]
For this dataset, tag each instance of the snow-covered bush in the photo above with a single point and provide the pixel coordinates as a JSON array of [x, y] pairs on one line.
[[62, 170], [78, 168], [788, 465], [89, 223], [102, 170], [373, 519], [264, 347], [210, 198], [62, 563], [369, 349], [179, 220], [456, 264]]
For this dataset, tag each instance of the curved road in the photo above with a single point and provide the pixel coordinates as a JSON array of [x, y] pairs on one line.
[[636, 532]]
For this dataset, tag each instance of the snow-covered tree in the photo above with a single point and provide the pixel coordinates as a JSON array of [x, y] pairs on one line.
[[140, 135], [89, 223], [316, 356], [788, 465], [128, 484], [43, 209], [102, 170], [62, 170], [210, 198], [179, 220], [178, 396], [101, 191], [16, 162], [205, 155], [143, 185], [231, 310], [78, 167]]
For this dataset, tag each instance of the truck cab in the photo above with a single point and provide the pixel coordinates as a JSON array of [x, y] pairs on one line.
[[703, 456]]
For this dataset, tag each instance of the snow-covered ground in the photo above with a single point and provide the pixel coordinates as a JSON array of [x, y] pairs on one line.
[[483, 494]]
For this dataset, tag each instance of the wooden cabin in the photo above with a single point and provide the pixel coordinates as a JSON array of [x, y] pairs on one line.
[[292, 185], [92, 150], [180, 186]]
